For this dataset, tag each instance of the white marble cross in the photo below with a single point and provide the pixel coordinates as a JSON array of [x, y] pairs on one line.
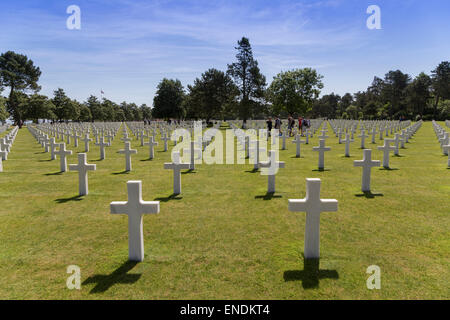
[[298, 141], [110, 138], [135, 207], [255, 151], [63, 153], [166, 140], [283, 137], [446, 148], [86, 142], [46, 142], [75, 137], [307, 135], [5, 146], [272, 166], [82, 167], [176, 166], [3, 153], [102, 145], [403, 139], [192, 151], [347, 144], [151, 146], [142, 137], [313, 206], [366, 163], [53, 147], [374, 133], [381, 130], [125, 138], [386, 149], [247, 146], [397, 141], [444, 140], [127, 152], [321, 149], [363, 137], [323, 135]]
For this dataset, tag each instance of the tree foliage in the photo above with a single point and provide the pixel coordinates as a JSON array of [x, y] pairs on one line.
[[40, 107], [240, 92], [210, 95], [294, 91], [249, 79], [3, 113], [168, 101], [19, 74]]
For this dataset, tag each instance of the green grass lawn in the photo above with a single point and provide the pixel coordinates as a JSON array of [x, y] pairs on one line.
[[222, 238]]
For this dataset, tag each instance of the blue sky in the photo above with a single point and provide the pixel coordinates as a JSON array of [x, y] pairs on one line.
[[125, 47]]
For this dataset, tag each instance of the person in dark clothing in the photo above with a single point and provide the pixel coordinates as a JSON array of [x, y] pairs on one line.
[[269, 125], [278, 125]]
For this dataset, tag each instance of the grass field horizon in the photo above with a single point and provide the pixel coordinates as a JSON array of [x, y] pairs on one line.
[[224, 237]]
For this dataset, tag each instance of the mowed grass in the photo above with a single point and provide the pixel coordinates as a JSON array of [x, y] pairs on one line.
[[223, 238]]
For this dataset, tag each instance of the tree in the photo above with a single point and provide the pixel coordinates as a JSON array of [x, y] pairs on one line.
[[96, 109], [17, 103], [370, 110], [168, 101], [248, 79], [146, 112], [346, 101], [19, 74], [65, 108], [327, 106], [85, 113], [353, 111], [3, 113], [294, 91], [441, 83], [444, 110], [394, 92], [137, 112], [109, 110], [39, 107], [209, 95], [418, 94], [120, 114], [127, 113]]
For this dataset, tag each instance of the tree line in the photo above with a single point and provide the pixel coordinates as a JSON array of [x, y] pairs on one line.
[[240, 92]]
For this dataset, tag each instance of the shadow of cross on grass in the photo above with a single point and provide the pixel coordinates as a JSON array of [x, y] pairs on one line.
[[120, 275], [310, 275], [268, 196], [173, 196], [74, 198], [369, 195]]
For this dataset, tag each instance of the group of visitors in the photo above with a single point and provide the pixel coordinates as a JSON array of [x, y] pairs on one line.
[[303, 123]]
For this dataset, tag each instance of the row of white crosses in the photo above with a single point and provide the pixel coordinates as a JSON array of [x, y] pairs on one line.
[[80, 132], [82, 167], [6, 144], [127, 151], [3, 128], [398, 141], [443, 138], [135, 207], [314, 206]]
